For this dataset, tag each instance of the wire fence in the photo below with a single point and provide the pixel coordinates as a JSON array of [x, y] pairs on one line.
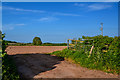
[[84, 44]]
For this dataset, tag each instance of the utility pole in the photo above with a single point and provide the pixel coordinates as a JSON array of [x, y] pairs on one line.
[[101, 29]]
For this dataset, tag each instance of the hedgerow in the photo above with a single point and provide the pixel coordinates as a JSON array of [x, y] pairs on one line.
[[9, 70], [108, 61]]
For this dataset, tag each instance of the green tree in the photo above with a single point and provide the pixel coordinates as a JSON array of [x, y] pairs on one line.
[[37, 41], [3, 36]]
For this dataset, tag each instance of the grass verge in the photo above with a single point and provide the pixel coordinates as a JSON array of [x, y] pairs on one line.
[[96, 61]]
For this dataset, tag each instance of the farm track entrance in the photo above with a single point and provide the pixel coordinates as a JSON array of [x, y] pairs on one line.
[[37, 64]]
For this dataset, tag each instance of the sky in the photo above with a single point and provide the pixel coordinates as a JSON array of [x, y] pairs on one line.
[[60, 0], [58, 21], [0, 16]]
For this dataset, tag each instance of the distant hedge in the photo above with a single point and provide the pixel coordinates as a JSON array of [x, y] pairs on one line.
[[54, 44], [43, 44]]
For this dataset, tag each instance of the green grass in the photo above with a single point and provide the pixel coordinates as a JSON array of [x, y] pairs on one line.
[[96, 61]]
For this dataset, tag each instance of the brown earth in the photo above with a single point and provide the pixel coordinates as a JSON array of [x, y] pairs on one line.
[[12, 50], [32, 62]]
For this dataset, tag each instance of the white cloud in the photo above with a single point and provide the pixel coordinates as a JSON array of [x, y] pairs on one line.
[[48, 19], [93, 7], [81, 5], [20, 24], [40, 11], [11, 26], [98, 6], [111, 0], [44, 19], [25, 10], [65, 14]]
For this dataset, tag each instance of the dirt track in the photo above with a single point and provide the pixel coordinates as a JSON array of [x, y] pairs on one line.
[[48, 66]]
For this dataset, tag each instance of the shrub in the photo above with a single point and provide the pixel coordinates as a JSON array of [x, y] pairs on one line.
[[107, 61], [9, 70], [37, 41]]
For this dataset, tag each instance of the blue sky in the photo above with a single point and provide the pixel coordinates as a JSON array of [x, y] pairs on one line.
[[60, 0], [57, 22]]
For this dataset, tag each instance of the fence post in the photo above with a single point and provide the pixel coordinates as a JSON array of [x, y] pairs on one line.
[[67, 44], [75, 44], [91, 51]]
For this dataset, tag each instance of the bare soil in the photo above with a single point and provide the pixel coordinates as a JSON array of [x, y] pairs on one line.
[[12, 50], [37, 64]]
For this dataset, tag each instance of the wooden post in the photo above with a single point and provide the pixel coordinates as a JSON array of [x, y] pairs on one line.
[[75, 43], [91, 50], [68, 43]]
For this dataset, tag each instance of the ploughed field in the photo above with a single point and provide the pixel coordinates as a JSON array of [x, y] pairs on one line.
[[32, 62], [12, 50]]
